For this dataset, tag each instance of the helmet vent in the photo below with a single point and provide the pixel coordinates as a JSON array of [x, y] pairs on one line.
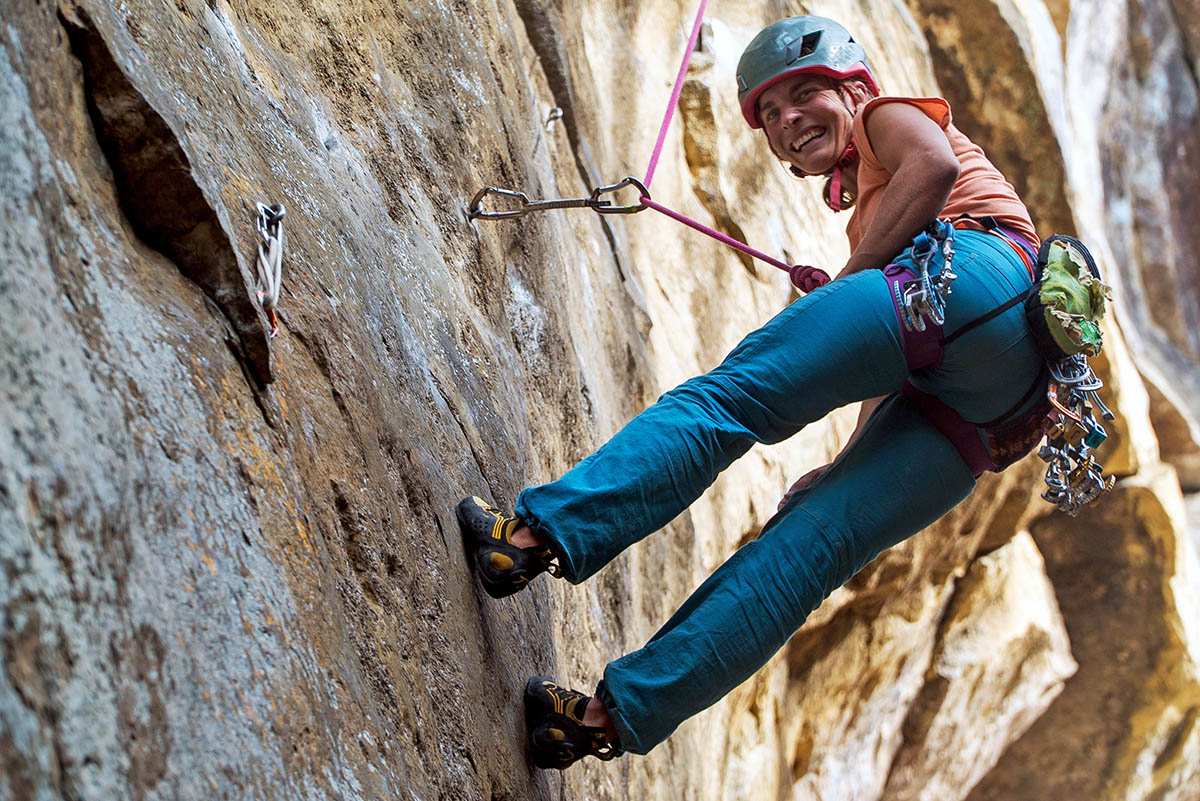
[[804, 46]]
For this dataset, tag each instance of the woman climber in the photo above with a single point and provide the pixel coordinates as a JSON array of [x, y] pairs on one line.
[[871, 335]]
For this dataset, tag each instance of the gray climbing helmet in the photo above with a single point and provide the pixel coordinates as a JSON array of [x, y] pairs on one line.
[[796, 45]]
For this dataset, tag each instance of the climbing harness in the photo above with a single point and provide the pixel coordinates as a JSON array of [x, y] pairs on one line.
[[270, 260], [1065, 415], [802, 276]]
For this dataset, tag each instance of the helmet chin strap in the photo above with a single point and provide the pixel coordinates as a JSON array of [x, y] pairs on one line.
[[843, 163], [835, 186]]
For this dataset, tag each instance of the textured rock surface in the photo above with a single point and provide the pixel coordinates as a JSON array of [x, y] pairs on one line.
[[228, 565], [1125, 725]]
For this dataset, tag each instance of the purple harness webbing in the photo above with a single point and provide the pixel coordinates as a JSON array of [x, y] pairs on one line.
[[805, 278], [925, 349], [964, 436], [921, 348]]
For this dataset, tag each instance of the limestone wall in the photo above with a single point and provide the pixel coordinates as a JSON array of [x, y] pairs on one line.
[[229, 566]]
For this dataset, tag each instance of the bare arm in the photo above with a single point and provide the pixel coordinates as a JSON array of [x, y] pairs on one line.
[[915, 150]]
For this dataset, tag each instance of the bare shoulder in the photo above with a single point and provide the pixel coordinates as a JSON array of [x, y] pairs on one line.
[[899, 131]]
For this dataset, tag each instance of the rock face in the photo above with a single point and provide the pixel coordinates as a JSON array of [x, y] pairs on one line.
[[228, 563]]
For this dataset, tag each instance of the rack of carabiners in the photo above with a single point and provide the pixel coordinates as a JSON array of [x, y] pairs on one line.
[[1074, 479], [925, 297]]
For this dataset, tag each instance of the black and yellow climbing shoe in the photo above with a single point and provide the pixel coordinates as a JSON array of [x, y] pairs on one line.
[[554, 718], [503, 567]]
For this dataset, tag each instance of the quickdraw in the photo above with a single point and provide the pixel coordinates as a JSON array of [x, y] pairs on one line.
[[593, 202], [270, 260]]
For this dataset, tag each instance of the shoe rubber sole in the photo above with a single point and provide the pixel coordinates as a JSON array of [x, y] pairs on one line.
[[557, 740], [503, 569]]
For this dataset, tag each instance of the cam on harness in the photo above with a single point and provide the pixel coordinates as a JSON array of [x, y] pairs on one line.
[[1061, 308]]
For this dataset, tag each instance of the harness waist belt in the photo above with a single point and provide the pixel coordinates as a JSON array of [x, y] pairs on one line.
[[983, 446]]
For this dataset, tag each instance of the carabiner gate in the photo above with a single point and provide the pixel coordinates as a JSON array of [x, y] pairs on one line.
[[476, 208], [606, 207]]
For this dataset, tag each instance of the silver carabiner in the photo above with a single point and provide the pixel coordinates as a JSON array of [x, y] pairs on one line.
[[268, 217], [476, 209], [606, 207]]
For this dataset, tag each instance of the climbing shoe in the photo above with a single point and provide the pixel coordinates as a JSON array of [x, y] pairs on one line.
[[503, 567], [554, 720]]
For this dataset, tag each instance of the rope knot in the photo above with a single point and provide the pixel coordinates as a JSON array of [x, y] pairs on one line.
[[806, 279]]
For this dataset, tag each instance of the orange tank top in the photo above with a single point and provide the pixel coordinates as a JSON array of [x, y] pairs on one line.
[[980, 189]]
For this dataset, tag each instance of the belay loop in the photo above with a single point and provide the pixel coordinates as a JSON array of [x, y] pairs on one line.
[[270, 260]]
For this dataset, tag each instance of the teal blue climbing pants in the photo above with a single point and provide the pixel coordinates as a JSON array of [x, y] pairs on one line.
[[837, 345]]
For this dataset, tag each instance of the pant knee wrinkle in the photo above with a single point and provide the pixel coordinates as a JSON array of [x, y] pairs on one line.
[[727, 407], [836, 540]]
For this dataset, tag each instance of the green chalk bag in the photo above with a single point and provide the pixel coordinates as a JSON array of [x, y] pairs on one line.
[[1066, 304]]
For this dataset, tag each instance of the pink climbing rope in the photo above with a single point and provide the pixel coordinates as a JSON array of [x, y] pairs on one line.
[[802, 277], [666, 123], [806, 278], [715, 234]]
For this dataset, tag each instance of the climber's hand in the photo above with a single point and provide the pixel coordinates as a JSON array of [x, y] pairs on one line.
[[804, 481], [806, 278]]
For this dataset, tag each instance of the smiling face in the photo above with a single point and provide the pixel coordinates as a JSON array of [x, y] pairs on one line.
[[807, 122]]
